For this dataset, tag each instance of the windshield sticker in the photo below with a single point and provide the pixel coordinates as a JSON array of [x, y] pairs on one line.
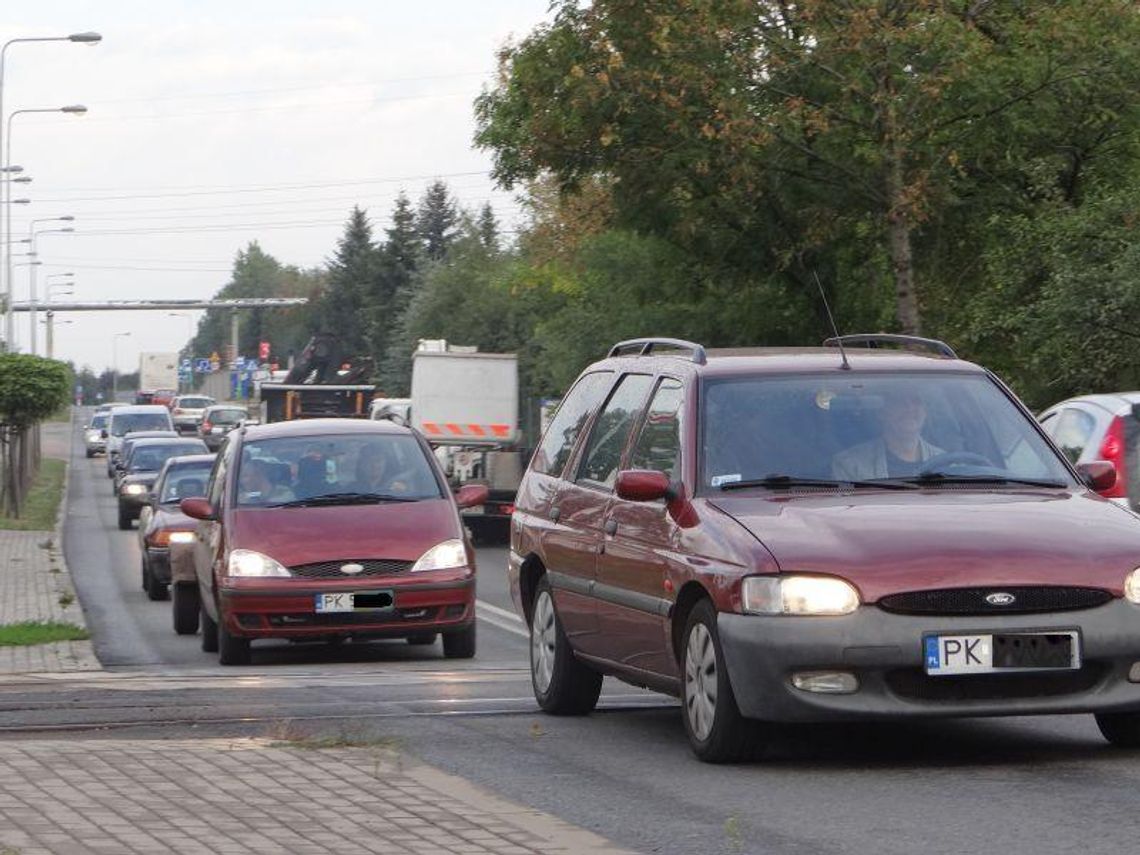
[[717, 480]]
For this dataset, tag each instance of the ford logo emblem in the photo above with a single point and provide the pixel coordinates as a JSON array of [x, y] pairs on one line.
[[353, 569], [1001, 598]]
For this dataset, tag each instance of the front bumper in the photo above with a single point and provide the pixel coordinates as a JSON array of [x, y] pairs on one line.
[[884, 652], [437, 601]]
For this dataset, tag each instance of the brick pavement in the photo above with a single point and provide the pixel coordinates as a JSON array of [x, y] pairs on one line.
[[256, 796], [35, 586]]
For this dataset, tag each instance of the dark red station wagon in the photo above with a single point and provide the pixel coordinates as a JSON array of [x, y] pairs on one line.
[[332, 528], [848, 532]]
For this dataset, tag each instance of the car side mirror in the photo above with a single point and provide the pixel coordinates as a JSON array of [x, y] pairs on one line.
[[198, 508], [102, 434], [642, 485], [1098, 475], [470, 495]]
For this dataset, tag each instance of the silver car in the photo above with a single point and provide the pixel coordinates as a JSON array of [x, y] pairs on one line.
[[186, 410], [94, 435], [1101, 427]]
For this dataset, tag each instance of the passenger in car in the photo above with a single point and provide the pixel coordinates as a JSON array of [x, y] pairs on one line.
[[899, 451], [257, 488], [374, 473]]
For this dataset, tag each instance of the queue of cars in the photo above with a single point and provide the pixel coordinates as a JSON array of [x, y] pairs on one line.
[[850, 532]]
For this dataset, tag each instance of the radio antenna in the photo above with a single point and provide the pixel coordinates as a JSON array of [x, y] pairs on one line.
[[846, 366]]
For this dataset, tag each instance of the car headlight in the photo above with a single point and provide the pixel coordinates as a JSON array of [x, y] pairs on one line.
[[442, 556], [1132, 586], [182, 537], [133, 489], [799, 595], [246, 562]]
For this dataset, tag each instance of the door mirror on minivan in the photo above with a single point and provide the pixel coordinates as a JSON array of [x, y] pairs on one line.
[[642, 485], [103, 434], [1098, 475], [470, 495], [197, 508]]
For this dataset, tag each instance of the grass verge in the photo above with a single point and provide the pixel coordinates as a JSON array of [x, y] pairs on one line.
[[39, 632], [42, 503]]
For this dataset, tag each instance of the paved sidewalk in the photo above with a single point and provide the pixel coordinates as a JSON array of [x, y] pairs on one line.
[[256, 796], [36, 586]]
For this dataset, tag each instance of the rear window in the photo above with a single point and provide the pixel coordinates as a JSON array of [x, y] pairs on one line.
[[228, 417], [866, 427], [195, 403], [122, 424]]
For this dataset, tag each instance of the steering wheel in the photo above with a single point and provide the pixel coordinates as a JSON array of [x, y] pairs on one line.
[[955, 458]]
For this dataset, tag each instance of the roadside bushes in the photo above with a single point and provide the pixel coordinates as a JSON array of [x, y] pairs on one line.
[[31, 389]]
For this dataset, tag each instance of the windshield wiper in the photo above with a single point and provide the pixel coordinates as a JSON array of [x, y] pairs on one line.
[[950, 478], [778, 481], [343, 499]]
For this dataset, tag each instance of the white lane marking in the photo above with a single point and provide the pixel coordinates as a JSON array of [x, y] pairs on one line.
[[501, 618]]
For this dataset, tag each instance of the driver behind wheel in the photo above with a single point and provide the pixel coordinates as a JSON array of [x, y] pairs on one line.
[[899, 451]]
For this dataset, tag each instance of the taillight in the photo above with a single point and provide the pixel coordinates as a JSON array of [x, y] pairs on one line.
[[1112, 450]]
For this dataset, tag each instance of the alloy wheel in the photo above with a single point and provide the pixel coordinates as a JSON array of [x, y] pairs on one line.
[[542, 639], [700, 681]]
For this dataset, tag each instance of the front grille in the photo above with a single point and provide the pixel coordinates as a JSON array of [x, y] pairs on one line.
[[364, 618], [331, 569], [972, 601], [915, 684]]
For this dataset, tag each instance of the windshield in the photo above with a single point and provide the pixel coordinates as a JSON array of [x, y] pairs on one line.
[[149, 458], [227, 417], [184, 482], [98, 421], [897, 429], [278, 471], [126, 423]]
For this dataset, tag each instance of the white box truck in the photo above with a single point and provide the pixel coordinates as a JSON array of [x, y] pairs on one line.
[[466, 404], [158, 371]]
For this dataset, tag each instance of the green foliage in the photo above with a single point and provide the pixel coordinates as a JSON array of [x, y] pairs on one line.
[[31, 388]]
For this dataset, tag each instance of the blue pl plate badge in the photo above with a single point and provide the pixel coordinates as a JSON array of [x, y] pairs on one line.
[[931, 642]]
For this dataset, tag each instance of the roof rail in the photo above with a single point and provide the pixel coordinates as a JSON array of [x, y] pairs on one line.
[[873, 340], [646, 346]]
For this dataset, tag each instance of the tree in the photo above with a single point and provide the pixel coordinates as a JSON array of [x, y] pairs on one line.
[[31, 389], [399, 258], [488, 228], [347, 297], [436, 220]]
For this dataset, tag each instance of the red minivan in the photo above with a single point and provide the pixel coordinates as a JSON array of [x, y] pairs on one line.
[[332, 528], [851, 532]]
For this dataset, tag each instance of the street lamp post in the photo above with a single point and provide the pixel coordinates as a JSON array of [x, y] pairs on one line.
[[88, 38], [74, 109], [115, 363], [52, 289], [32, 235]]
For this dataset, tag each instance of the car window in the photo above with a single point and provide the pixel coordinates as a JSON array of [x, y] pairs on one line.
[[573, 414], [149, 458], [1073, 431], [227, 417], [611, 430], [658, 446], [273, 471], [98, 421], [122, 424], [216, 488], [184, 482], [863, 427], [194, 403]]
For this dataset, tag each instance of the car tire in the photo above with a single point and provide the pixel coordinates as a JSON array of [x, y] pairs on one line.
[[156, 591], [90, 453], [209, 628], [1122, 729], [232, 649], [563, 684], [717, 732], [125, 518], [422, 639], [460, 644], [145, 571], [185, 607]]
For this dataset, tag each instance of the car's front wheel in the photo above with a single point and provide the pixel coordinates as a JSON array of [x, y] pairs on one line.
[[155, 590], [185, 607], [209, 629], [717, 732], [563, 684], [125, 517], [1122, 729]]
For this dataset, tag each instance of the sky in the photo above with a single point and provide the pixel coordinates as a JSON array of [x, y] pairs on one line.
[[212, 124]]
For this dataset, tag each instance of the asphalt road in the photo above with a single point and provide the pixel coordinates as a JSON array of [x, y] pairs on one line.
[[1044, 785]]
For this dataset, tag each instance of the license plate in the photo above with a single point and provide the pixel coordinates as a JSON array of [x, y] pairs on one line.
[[947, 655], [335, 603], [355, 601], [476, 511]]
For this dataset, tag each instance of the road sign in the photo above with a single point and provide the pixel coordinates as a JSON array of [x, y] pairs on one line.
[[263, 351], [202, 366]]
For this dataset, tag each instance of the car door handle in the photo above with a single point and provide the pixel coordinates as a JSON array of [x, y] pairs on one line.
[[555, 513], [610, 527]]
